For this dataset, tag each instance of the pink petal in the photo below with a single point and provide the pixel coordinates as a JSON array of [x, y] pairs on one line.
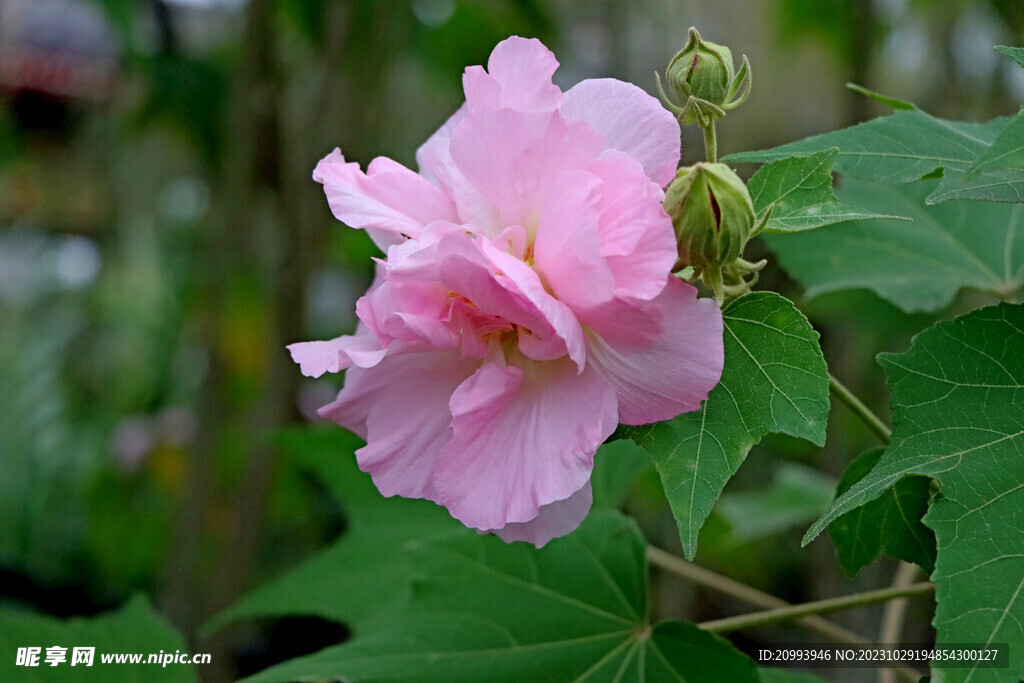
[[412, 312], [524, 437], [554, 520], [432, 157], [625, 324], [518, 77], [401, 408], [567, 251], [631, 121], [388, 200], [511, 158], [435, 162], [420, 255], [499, 284], [637, 238], [317, 357], [482, 91], [604, 235], [675, 374], [476, 326], [565, 336]]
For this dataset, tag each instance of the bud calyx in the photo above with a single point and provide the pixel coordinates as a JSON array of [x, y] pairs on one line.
[[714, 218], [704, 81]]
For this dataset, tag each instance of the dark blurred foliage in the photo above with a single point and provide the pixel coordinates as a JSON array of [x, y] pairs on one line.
[[161, 242]]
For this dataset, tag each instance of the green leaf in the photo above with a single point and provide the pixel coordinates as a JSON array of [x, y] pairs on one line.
[[893, 102], [798, 495], [890, 524], [489, 611], [775, 380], [365, 573], [1014, 53], [799, 189], [957, 397], [618, 466], [133, 629], [907, 146], [1007, 151], [917, 266]]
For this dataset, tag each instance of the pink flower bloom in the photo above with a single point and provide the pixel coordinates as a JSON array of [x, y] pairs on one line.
[[525, 306]]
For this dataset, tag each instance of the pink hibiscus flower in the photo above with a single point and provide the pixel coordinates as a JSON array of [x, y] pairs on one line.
[[525, 306]]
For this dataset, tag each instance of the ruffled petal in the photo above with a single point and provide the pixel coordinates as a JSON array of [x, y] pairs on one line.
[[498, 284], [482, 91], [433, 158], [518, 77], [401, 408], [562, 334], [626, 324], [554, 520], [638, 242], [674, 374], [511, 158], [389, 200], [435, 162], [524, 437], [631, 121], [317, 357], [567, 251], [604, 234], [413, 312]]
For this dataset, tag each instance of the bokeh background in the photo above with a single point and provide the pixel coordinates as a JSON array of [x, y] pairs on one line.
[[161, 241]]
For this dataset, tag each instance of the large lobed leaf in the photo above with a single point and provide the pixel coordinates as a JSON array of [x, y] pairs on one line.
[[909, 145], [919, 265], [484, 610], [958, 401], [133, 629], [618, 467], [890, 524], [798, 189], [775, 380], [366, 574]]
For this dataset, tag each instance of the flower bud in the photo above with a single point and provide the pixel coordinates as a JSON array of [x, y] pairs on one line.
[[712, 213], [705, 84], [701, 69]]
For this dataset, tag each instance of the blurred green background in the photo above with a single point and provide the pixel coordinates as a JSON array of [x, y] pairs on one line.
[[161, 241]]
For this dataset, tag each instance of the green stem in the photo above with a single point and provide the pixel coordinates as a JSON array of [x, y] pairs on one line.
[[745, 593], [783, 615], [751, 595], [873, 422], [710, 142]]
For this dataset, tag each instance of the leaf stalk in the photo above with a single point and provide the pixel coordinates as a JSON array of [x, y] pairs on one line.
[[873, 422]]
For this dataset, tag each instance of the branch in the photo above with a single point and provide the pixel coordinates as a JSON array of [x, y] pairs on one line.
[[873, 422], [786, 614], [747, 594]]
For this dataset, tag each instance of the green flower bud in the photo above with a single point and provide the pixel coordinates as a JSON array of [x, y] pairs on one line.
[[705, 84], [712, 213], [701, 69]]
